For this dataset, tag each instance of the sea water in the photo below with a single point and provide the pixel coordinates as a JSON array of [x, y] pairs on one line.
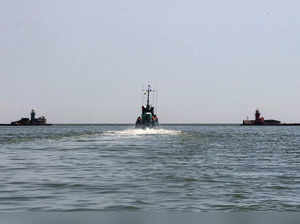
[[173, 168]]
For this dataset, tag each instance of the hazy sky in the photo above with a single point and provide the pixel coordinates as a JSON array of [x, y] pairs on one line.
[[211, 61]]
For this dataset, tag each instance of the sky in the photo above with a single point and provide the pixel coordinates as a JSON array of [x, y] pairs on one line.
[[79, 61]]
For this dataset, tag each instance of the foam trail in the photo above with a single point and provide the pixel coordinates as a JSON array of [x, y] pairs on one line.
[[147, 131]]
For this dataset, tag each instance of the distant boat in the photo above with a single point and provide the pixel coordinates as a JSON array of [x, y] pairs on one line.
[[148, 118], [32, 121], [261, 121]]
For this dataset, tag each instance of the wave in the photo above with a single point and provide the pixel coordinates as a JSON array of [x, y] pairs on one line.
[[15, 139], [81, 136], [141, 132]]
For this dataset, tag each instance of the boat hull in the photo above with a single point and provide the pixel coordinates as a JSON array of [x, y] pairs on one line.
[[147, 125], [291, 124]]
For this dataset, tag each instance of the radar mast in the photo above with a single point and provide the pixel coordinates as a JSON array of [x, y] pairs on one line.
[[148, 95]]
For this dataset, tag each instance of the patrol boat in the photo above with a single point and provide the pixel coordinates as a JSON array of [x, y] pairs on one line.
[[33, 121], [148, 118]]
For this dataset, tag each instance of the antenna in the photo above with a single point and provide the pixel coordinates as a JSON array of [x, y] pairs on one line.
[[156, 106], [142, 96], [148, 94]]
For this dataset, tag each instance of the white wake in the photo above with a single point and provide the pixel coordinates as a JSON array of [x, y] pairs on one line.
[[141, 132]]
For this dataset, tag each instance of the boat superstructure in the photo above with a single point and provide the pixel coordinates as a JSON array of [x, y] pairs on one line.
[[148, 118]]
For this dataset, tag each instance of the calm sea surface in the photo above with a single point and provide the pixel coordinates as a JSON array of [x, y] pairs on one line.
[[174, 168]]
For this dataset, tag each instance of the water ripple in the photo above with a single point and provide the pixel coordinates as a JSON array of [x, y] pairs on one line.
[[181, 168]]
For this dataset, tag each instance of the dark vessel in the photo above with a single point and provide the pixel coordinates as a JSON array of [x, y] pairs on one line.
[[261, 121], [32, 121], [148, 118]]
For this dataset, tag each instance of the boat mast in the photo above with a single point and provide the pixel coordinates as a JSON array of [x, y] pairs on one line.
[[148, 95]]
